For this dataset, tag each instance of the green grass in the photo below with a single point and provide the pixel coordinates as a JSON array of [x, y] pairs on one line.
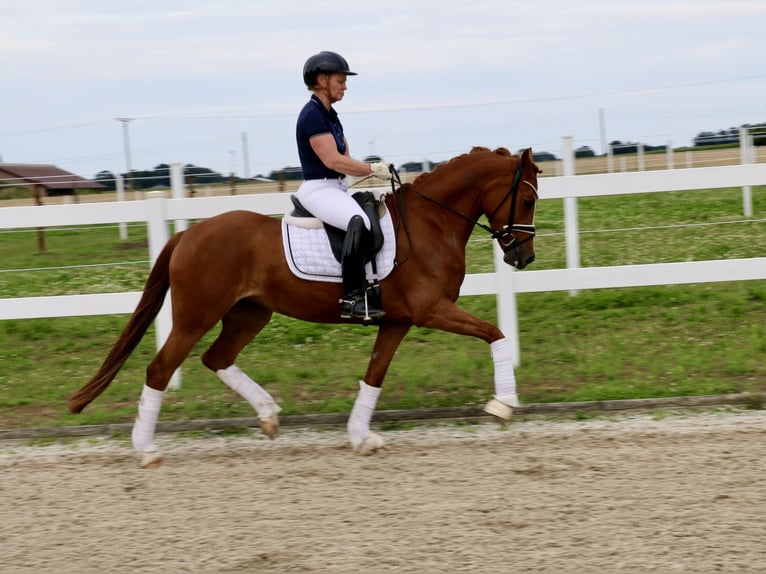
[[599, 345]]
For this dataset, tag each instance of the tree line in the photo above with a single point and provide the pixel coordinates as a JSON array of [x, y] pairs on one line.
[[160, 175]]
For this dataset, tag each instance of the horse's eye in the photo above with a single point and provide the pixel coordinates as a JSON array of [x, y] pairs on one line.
[[529, 203]]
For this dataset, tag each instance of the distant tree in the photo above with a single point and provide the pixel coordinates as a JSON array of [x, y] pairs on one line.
[[758, 131], [416, 166], [584, 151], [203, 175], [543, 156], [619, 147], [290, 174], [730, 136], [107, 179]]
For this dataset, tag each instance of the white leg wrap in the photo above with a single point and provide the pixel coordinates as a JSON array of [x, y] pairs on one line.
[[359, 420], [149, 406], [505, 381], [263, 403]]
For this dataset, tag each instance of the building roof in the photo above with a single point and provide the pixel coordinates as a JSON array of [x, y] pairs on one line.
[[48, 176]]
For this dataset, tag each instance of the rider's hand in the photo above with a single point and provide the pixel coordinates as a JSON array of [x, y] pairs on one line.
[[380, 170]]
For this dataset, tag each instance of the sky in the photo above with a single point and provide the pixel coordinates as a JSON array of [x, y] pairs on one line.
[[218, 84]]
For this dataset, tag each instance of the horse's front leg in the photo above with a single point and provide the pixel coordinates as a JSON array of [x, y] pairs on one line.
[[362, 439], [447, 316]]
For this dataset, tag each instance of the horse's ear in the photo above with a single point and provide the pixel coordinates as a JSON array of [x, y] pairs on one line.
[[527, 155]]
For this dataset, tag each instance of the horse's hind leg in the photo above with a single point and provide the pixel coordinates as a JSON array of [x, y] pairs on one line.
[[240, 325], [179, 344]]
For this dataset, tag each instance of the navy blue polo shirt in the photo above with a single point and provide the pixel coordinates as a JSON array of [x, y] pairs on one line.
[[315, 120]]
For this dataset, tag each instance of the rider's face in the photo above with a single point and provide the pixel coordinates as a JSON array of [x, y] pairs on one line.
[[334, 85]]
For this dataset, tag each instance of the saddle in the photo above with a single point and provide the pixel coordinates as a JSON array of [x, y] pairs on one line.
[[371, 207]]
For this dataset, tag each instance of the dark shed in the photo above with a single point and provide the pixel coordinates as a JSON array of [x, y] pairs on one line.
[[44, 179]]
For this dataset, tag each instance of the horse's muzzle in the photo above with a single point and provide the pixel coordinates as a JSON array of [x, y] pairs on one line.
[[519, 257]]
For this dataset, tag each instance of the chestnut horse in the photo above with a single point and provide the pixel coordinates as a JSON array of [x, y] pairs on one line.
[[231, 268]]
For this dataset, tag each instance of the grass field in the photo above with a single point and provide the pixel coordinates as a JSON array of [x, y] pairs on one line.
[[600, 344]]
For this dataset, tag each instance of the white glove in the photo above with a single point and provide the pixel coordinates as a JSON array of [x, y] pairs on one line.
[[380, 170]]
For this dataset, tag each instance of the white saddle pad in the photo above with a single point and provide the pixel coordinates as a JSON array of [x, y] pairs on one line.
[[310, 257]]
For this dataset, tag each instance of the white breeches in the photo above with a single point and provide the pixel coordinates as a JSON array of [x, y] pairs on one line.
[[329, 201]]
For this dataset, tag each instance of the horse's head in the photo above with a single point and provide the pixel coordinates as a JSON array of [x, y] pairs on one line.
[[509, 204]]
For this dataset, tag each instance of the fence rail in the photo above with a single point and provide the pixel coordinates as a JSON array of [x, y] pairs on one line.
[[504, 282]]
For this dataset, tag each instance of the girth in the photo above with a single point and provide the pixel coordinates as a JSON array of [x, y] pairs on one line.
[[368, 203]]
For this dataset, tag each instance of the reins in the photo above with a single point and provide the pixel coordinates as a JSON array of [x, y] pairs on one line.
[[504, 236], [399, 205]]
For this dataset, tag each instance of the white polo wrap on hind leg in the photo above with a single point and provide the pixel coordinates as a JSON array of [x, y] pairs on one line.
[[359, 421], [505, 379], [263, 403], [149, 406]]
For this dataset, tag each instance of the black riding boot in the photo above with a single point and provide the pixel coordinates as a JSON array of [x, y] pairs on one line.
[[360, 301]]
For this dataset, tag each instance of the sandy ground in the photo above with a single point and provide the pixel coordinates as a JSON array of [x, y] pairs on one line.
[[630, 494]]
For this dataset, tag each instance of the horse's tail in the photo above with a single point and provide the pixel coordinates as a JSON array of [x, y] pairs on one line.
[[147, 309]]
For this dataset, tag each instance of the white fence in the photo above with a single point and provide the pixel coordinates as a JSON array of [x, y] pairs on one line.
[[504, 282]]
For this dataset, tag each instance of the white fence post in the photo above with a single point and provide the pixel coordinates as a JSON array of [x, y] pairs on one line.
[[610, 159], [669, 151], [745, 156], [571, 226], [504, 283], [157, 228], [178, 188], [120, 187]]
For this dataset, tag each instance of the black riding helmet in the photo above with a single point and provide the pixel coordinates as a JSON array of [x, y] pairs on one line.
[[324, 63]]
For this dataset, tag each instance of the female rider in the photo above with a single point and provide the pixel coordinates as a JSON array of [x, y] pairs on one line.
[[326, 161]]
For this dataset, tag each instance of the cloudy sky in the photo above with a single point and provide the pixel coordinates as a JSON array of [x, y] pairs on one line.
[[435, 77]]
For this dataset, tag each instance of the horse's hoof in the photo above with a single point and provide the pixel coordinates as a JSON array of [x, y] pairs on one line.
[[498, 409], [270, 422], [371, 444], [151, 460], [270, 426]]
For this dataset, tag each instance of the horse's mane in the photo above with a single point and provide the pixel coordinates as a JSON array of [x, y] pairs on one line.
[[476, 149]]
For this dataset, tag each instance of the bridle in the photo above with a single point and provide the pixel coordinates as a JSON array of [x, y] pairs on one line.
[[505, 237]]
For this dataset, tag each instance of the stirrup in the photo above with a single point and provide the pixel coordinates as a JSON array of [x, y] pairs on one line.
[[359, 307]]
